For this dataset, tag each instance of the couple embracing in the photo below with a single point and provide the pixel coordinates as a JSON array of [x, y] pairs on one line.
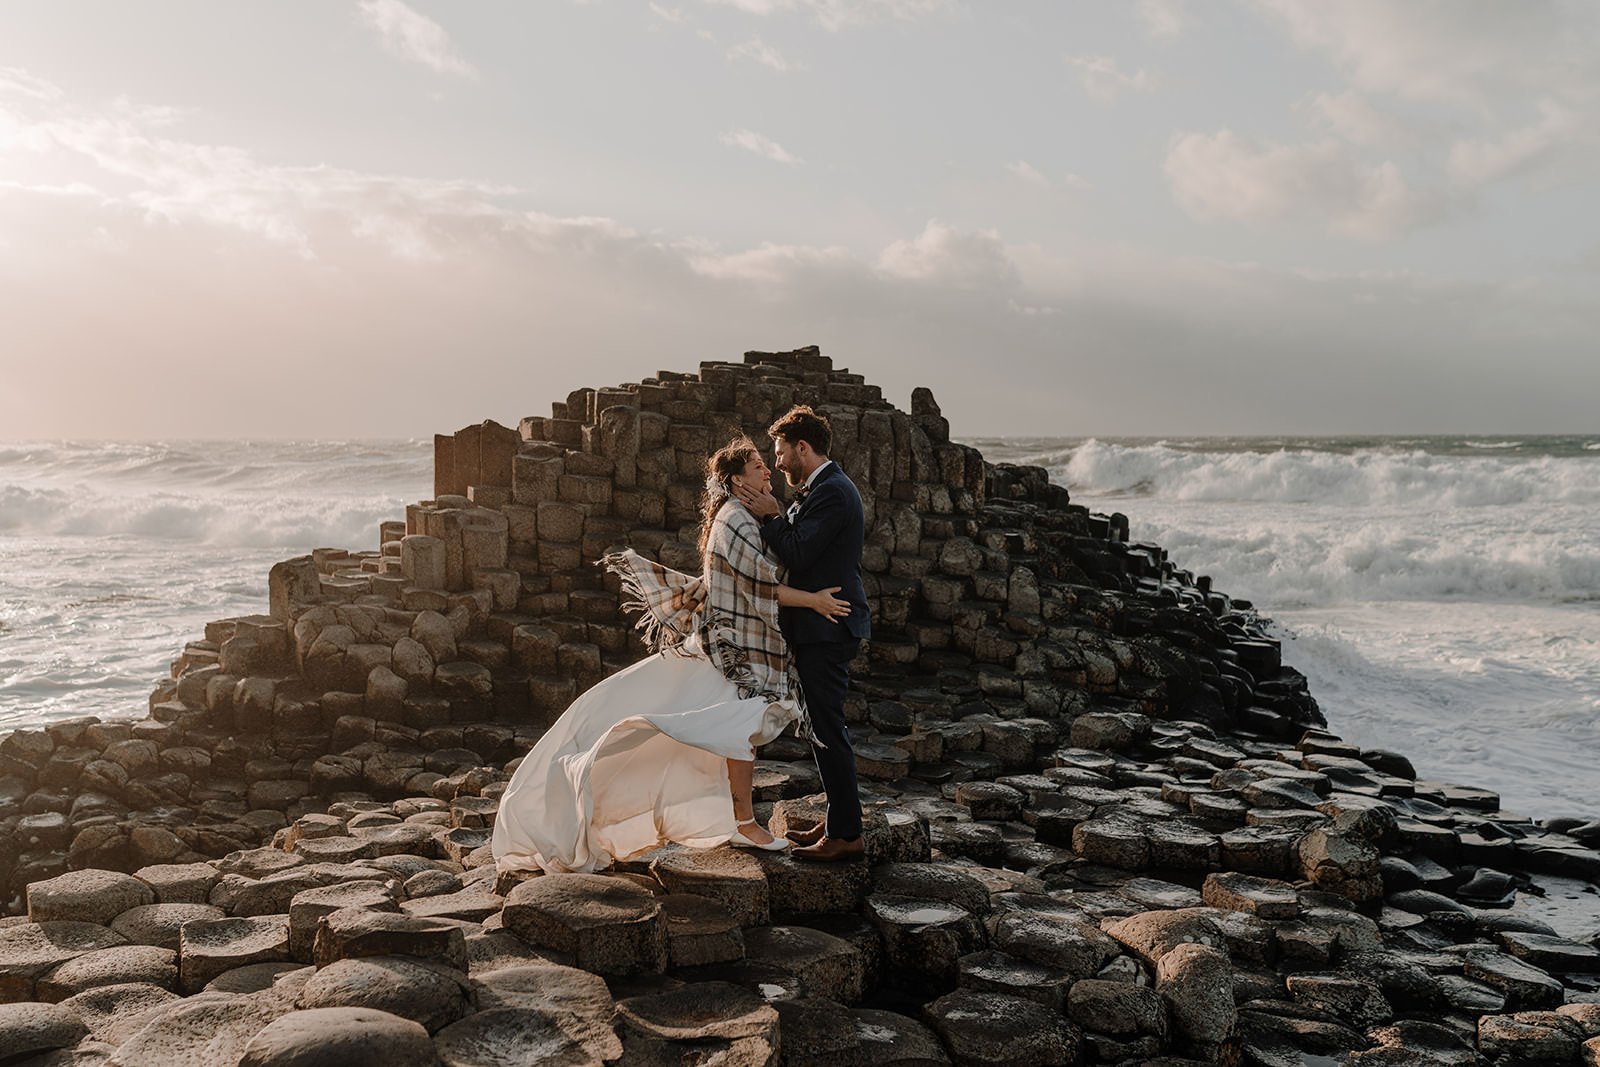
[[761, 639]]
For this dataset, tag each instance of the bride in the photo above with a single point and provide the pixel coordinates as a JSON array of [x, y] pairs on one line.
[[664, 750]]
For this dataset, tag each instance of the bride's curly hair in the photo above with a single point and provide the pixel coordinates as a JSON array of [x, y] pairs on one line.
[[724, 463]]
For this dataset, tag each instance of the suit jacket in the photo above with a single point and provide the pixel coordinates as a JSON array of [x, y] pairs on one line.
[[822, 548]]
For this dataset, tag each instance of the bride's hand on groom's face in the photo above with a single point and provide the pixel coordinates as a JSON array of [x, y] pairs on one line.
[[761, 503]]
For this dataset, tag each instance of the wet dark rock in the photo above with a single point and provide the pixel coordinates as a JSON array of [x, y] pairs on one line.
[[826, 965], [1529, 1037], [990, 1028], [1349, 999], [1550, 953], [923, 940], [816, 1030], [992, 971], [1196, 982], [1522, 984], [889, 1039]]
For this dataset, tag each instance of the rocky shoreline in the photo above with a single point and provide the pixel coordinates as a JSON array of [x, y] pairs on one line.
[[1106, 824]]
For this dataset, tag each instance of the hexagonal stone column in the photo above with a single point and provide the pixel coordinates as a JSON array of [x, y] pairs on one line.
[[208, 948], [608, 925]]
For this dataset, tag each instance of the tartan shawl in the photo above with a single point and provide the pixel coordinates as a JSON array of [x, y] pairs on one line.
[[732, 606]]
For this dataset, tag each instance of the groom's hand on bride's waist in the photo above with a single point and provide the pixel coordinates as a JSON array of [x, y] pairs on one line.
[[763, 505]]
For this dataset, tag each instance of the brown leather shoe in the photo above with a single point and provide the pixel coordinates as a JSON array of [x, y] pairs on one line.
[[807, 837], [830, 850]]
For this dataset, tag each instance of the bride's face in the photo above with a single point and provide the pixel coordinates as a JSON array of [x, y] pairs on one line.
[[755, 475]]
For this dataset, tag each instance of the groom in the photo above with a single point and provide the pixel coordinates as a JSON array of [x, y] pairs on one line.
[[819, 539]]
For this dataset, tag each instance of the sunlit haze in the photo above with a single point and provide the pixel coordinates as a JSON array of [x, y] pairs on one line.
[[380, 218]]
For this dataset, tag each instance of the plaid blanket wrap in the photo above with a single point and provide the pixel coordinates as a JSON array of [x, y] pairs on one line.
[[732, 606]]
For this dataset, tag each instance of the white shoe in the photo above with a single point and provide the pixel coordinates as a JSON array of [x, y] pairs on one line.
[[738, 840]]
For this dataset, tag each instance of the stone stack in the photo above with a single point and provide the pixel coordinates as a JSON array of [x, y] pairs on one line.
[[1104, 823]]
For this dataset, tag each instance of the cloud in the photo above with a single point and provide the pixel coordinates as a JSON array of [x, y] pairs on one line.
[[1026, 171], [1353, 116], [1476, 162], [452, 301], [1161, 18], [668, 14], [756, 50], [1105, 81], [1450, 51], [413, 36], [945, 256], [834, 15], [754, 142], [1227, 176]]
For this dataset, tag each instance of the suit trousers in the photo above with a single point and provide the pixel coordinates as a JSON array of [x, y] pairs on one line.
[[824, 670]]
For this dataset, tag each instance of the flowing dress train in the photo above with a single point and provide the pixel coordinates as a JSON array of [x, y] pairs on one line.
[[636, 761]]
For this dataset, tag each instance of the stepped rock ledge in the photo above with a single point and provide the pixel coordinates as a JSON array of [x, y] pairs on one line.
[[1106, 824]]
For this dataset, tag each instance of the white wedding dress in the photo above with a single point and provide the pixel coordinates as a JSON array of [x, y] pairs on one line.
[[635, 762]]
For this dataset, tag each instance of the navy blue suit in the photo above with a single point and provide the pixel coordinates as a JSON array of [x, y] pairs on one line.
[[821, 547]]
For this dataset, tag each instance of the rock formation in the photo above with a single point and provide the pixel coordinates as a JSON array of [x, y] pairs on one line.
[[1105, 822]]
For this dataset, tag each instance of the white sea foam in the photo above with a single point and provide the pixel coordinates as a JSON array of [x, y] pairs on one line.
[[1412, 477], [1443, 600]]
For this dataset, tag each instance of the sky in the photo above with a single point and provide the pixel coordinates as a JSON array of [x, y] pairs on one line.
[[327, 219]]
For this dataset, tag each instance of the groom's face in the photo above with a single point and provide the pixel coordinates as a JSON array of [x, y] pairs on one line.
[[787, 459]]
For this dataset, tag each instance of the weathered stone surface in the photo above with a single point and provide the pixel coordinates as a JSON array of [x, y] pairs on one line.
[[990, 1028], [923, 940], [340, 1037], [1360, 1004], [179, 883], [28, 950], [1196, 982], [1267, 898], [90, 896], [433, 995], [121, 965], [1152, 934], [714, 1021], [310, 906], [1529, 1037], [1117, 1008], [1065, 943], [114, 1012], [607, 924], [796, 887], [352, 933], [992, 971], [827, 965], [889, 1039], [200, 1032], [158, 924], [207, 948], [32, 1029], [518, 1035], [728, 876], [1522, 984], [699, 931]]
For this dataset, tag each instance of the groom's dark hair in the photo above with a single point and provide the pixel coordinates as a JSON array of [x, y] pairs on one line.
[[803, 424]]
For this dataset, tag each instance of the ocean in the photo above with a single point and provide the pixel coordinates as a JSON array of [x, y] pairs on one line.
[[1441, 593]]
